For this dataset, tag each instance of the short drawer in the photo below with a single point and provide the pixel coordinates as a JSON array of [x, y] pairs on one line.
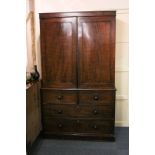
[[97, 97], [59, 97], [95, 126], [59, 125], [78, 110]]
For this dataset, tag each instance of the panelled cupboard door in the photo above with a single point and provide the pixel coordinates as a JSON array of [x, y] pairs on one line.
[[58, 46], [96, 44]]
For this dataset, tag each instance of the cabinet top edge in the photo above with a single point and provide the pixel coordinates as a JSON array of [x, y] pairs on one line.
[[77, 14]]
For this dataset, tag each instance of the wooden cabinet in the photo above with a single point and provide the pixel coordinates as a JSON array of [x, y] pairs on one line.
[[33, 114], [78, 74]]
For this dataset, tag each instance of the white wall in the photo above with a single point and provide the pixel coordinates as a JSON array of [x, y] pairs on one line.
[[79, 5], [122, 43], [29, 8]]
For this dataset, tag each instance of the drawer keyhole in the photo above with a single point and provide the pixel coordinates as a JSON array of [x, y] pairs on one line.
[[95, 112]]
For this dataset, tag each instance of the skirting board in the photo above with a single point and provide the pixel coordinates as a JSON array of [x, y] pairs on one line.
[[121, 124]]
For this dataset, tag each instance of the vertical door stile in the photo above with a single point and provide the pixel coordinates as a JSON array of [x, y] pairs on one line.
[[77, 60], [78, 56], [77, 72], [79, 35]]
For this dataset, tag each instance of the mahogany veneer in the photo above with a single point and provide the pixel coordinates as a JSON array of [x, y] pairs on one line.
[[78, 74]]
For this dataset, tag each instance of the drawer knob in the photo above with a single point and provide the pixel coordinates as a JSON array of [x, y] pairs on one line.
[[94, 126], [60, 97], [77, 107], [77, 121], [60, 125], [60, 111], [95, 112], [96, 97]]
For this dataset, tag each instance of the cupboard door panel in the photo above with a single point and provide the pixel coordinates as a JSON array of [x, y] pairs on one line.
[[96, 52], [58, 45]]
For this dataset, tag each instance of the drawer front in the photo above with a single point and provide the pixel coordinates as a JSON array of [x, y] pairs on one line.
[[95, 126], [59, 125], [59, 97], [78, 111], [97, 97]]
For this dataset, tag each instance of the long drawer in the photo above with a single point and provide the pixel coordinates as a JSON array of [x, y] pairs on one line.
[[78, 110], [62, 125]]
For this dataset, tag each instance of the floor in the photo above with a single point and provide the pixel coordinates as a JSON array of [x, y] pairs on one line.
[[77, 147]]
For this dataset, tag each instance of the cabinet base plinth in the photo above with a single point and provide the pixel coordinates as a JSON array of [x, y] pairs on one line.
[[75, 136]]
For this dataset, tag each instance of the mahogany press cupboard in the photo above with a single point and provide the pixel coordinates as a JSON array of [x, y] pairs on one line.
[[78, 74]]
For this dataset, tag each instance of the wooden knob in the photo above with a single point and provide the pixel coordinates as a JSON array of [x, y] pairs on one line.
[[94, 126], [60, 111], [96, 97], [60, 97], [77, 121], [60, 125], [77, 107]]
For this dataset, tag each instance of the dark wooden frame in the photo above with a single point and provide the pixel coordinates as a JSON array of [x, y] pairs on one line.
[[110, 15]]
